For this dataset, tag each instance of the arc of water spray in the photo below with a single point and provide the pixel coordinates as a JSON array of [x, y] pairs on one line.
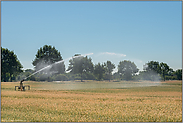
[[56, 63]]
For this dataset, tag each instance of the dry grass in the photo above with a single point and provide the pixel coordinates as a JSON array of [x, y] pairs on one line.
[[146, 104]]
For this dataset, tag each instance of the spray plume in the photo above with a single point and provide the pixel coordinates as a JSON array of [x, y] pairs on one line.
[[113, 54], [49, 66]]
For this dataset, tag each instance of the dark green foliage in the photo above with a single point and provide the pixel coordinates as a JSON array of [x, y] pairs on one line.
[[153, 66], [109, 67], [80, 68], [170, 72], [10, 65], [46, 56], [164, 69], [116, 76], [99, 71], [171, 77], [60, 77], [71, 76], [178, 74], [26, 73], [127, 69], [160, 69], [148, 75], [80, 65], [90, 76], [42, 77]]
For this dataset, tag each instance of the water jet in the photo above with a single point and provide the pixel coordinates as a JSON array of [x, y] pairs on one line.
[[22, 87]]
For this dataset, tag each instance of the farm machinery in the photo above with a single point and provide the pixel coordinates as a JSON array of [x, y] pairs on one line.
[[22, 87]]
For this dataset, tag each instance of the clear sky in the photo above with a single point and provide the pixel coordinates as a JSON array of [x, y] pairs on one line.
[[115, 31]]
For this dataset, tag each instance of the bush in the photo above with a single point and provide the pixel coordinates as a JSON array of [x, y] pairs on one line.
[[170, 77], [60, 77], [42, 77], [90, 76]]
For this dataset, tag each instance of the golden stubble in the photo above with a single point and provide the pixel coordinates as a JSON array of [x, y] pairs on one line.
[[66, 106], [113, 105]]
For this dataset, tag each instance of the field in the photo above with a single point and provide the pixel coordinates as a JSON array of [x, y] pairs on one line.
[[92, 101]]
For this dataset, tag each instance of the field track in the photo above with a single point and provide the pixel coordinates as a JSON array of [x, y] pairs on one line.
[[92, 101]]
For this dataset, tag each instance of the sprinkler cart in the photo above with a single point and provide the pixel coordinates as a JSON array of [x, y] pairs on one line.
[[21, 87]]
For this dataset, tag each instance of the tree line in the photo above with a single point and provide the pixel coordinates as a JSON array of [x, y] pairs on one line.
[[81, 68]]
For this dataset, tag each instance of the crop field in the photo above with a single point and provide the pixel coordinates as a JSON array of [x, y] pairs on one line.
[[92, 101]]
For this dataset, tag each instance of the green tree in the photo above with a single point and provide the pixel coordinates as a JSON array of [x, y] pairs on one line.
[[25, 74], [171, 72], [153, 66], [48, 55], [158, 68], [116, 76], [127, 69], [99, 71], [109, 68], [80, 65], [10, 65], [148, 75], [164, 69], [178, 73], [151, 71]]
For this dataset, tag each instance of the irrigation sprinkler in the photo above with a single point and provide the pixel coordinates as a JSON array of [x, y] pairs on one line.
[[21, 87]]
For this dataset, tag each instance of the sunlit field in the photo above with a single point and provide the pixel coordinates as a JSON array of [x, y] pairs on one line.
[[92, 101]]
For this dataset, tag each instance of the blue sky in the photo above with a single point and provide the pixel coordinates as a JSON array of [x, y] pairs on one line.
[[115, 31]]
